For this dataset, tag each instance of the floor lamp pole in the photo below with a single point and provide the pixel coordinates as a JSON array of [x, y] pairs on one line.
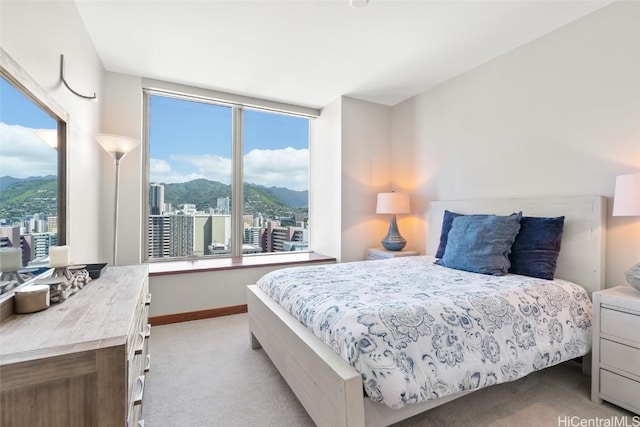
[[118, 156], [117, 147]]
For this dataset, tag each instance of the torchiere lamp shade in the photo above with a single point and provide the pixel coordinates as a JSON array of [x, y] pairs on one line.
[[116, 145]]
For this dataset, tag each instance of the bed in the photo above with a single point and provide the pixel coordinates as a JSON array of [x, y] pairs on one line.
[[331, 390]]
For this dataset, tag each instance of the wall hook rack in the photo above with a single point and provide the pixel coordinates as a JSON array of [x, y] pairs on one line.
[[67, 84]]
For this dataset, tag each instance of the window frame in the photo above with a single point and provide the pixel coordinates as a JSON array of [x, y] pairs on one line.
[[11, 71], [237, 103]]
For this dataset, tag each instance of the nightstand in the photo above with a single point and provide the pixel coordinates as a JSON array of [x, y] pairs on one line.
[[615, 372], [381, 253]]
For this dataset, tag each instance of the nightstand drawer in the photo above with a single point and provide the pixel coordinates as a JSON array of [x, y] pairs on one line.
[[620, 389], [620, 356], [620, 324]]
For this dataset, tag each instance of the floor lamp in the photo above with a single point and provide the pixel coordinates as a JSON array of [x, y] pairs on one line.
[[118, 147]]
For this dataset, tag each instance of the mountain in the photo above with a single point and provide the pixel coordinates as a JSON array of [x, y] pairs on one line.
[[293, 198], [17, 190], [23, 197], [257, 198], [6, 181]]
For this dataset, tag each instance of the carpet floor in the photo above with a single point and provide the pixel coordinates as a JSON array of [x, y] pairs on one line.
[[204, 373]]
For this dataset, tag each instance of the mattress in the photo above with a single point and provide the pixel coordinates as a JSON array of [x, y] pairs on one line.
[[417, 331]]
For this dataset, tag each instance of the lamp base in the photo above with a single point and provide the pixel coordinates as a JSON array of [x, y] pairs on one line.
[[633, 276], [393, 241]]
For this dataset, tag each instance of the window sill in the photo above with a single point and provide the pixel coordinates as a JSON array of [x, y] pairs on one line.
[[162, 268]]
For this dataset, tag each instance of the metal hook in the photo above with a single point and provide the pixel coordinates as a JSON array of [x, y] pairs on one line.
[[67, 84]]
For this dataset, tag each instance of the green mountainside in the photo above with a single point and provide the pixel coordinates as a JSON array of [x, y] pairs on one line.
[[24, 197], [204, 194]]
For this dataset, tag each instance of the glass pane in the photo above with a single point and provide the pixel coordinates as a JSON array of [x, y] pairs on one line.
[[189, 178], [29, 176], [276, 177]]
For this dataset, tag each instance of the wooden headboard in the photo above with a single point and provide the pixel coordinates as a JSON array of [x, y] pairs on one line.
[[582, 252]]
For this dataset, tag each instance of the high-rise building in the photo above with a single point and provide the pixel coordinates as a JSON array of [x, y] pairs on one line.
[[10, 237], [159, 236], [156, 199], [222, 206], [275, 238], [52, 224], [211, 231], [40, 244], [252, 236], [181, 231]]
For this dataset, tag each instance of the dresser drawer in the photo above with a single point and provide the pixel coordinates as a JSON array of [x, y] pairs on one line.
[[623, 390], [620, 324], [620, 356]]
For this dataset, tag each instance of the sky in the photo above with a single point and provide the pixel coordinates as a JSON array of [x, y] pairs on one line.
[[189, 140], [22, 152]]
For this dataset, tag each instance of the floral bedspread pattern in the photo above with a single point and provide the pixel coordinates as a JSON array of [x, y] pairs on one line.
[[418, 331]]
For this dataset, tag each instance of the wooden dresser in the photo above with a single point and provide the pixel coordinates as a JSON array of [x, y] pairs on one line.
[[616, 347], [81, 362]]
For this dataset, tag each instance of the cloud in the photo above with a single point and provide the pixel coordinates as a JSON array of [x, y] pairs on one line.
[[286, 167], [24, 154]]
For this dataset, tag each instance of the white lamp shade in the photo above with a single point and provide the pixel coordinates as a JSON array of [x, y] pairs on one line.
[[50, 136], [626, 200], [393, 203], [117, 145]]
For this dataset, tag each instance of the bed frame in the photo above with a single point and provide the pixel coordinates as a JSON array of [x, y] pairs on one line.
[[330, 389]]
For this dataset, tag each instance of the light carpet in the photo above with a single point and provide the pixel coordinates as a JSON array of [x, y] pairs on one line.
[[204, 373]]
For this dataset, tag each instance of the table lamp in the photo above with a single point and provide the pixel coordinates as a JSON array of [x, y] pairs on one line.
[[393, 203], [626, 202]]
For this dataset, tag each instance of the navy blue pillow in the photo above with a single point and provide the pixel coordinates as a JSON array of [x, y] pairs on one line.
[[481, 243], [537, 246], [447, 220]]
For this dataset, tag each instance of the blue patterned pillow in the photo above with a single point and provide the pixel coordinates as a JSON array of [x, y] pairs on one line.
[[537, 246], [481, 243], [447, 220]]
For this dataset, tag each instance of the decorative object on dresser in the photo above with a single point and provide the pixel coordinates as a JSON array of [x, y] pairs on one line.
[[81, 363], [615, 375], [393, 203], [626, 202], [382, 253], [32, 298], [118, 147], [10, 263]]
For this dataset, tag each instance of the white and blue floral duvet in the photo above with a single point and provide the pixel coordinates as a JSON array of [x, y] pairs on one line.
[[418, 331]]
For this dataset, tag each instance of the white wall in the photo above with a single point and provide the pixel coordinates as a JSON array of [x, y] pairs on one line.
[[365, 173], [558, 116], [35, 34], [122, 115], [325, 189], [349, 167]]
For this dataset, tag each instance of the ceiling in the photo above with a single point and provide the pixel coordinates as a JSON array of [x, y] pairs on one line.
[[311, 52]]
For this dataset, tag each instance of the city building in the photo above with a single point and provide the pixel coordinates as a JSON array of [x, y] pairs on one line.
[[156, 199], [159, 236], [52, 224], [40, 244]]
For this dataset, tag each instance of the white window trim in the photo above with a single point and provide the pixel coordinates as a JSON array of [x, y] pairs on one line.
[[176, 90], [237, 104]]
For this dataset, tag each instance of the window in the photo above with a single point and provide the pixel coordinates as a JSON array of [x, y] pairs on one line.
[[203, 157], [32, 185]]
